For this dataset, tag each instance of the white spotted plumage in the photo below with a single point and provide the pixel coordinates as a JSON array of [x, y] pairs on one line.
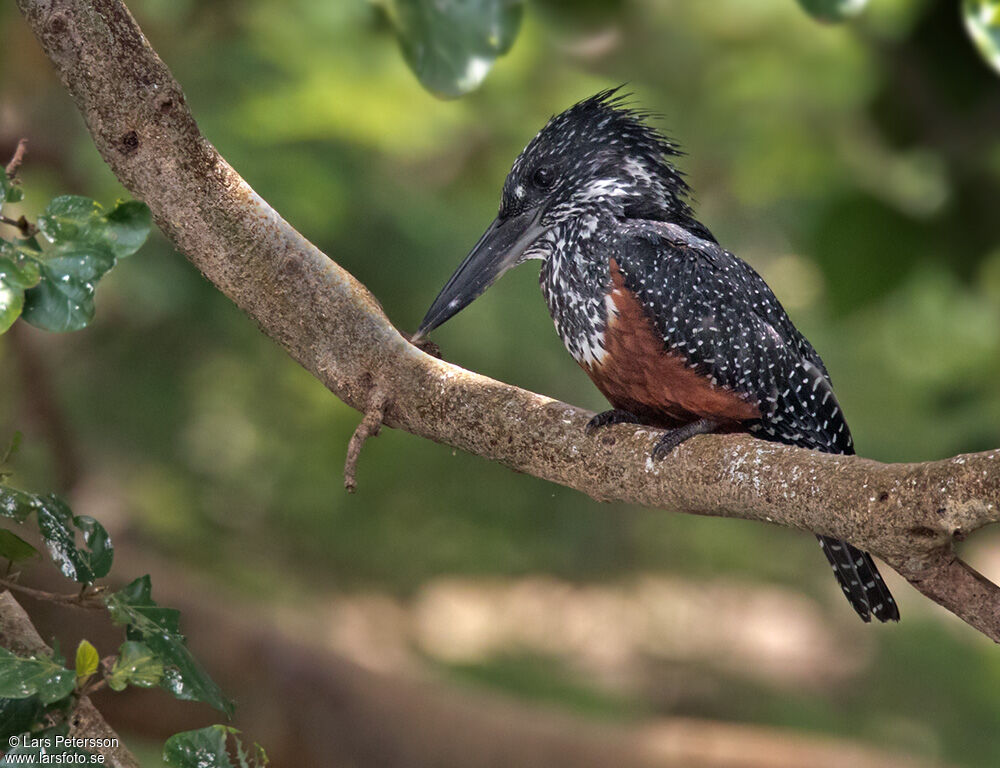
[[609, 192]]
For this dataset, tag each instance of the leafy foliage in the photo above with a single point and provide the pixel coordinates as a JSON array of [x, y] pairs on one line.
[[982, 19], [159, 629], [153, 654], [833, 10], [451, 45], [206, 748], [43, 677], [137, 664], [10, 192], [87, 660], [59, 526], [14, 548], [50, 278], [18, 273], [18, 716]]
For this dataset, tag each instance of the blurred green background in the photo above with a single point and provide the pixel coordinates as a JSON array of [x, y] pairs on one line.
[[856, 167]]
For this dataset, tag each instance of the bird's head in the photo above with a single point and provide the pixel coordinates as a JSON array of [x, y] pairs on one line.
[[597, 159]]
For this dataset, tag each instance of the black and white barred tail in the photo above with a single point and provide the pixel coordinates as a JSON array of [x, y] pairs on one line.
[[860, 580]]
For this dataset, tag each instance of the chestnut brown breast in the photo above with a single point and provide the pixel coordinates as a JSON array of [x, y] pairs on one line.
[[639, 375]]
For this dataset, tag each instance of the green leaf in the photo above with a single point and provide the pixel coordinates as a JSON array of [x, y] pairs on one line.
[[128, 226], [70, 219], [87, 660], [982, 20], [17, 273], [17, 505], [9, 191], [256, 759], [34, 676], [136, 665], [451, 44], [833, 10], [204, 748], [14, 548], [29, 246], [58, 526], [11, 303], [18, 716], [159, 628], [63, 300], [12, 447], [88, 242], [75, 220]]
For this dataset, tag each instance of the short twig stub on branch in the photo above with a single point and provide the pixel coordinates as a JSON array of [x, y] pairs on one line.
[[369, 427], [15, 162]]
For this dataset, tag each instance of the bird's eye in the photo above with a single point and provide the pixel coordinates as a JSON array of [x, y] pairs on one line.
[[543, 177]]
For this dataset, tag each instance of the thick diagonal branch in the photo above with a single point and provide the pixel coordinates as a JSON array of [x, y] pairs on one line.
[[331, 324]]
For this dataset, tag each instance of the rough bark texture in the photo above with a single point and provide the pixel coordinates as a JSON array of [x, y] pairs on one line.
[[17, 634], [908, 514]]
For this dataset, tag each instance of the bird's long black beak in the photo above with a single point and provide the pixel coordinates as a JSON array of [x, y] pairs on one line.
[[500, 248]]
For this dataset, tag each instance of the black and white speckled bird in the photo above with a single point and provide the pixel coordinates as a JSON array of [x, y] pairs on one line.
[[677, 332]]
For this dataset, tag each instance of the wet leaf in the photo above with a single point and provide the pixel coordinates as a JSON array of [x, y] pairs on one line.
[[15, 504], [70, 218], [14, 548], [75, 220], [982, 20], [58, 526], [17, 716], [11, 304], [255, 758], [87, 660], [136, 665], [9, 191], [159, 629], [18, 272], [204, 748], [88, 242], [34, 676], [128, 226], [833, 10], [63, 300], [451, 45]]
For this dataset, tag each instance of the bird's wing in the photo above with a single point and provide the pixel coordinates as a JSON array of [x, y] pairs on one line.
[[716, 311]]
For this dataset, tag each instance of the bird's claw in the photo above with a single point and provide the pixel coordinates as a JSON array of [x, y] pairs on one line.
[[672, 438], [607, 418], [667, 443]]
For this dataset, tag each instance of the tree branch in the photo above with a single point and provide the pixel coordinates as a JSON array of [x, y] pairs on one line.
[[908, 514], [89, 598]]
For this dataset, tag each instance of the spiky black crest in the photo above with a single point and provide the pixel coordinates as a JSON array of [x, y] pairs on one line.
[[601, 149]]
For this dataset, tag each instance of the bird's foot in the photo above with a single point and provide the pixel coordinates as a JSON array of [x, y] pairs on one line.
[[674, 437], [607, 418]]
